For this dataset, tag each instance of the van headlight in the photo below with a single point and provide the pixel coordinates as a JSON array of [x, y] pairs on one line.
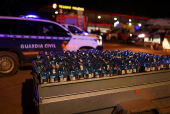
[[99, 41], [141, 35]]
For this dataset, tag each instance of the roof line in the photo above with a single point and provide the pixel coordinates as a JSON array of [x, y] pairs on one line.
[[31, 19], [117, 14]]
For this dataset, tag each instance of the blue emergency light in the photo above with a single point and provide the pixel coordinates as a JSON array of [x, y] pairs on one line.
[[30, 16]]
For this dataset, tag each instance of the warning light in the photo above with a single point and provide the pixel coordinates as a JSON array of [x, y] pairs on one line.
[[54, 6], [30, 16]]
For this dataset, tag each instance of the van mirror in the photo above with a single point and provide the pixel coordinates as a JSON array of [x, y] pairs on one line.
[[69, 34]]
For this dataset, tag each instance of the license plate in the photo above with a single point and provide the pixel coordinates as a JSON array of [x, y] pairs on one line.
[[133, 41]]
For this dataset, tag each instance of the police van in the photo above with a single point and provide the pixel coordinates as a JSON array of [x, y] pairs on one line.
[[22, 38]]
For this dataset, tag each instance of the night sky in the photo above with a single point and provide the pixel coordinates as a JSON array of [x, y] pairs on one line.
[[147, 8]]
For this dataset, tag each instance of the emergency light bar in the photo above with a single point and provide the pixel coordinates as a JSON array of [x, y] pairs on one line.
[[31, 16]]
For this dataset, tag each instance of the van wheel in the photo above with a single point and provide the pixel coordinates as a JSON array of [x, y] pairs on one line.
[[8, 64], [81, 49]]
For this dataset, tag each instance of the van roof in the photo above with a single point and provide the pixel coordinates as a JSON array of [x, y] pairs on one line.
[[31, 19]]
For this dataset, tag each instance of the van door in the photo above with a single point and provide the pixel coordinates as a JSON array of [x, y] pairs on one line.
[[55, 38], [25, 38]]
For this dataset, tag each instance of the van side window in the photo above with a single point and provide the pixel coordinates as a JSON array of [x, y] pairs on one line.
[[5, 26], [27, 27], [50, 29]]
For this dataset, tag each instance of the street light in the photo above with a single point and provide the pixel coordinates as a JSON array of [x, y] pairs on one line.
[[130, 24], [99, 17], [115, 18], [56, 12], [54, 6], [130, 20], [140, 24]]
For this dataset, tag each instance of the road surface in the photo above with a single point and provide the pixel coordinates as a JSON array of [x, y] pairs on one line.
[[16, 91]]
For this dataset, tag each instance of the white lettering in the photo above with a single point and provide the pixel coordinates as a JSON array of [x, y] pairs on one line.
[[45, 45], [26, 46], [36, 46], [29, 46], [22, 46], [50, 45], [32, 45], [41, 46], [54, 46]]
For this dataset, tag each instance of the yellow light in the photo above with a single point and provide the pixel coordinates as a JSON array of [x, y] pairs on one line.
[[54, 6], [64, 7], [77, 8]]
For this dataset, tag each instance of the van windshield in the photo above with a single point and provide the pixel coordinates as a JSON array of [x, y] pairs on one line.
[[74, 30]]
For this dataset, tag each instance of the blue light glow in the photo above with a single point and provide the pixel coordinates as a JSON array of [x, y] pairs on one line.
[[136, 28], [31, 16], [86, 33]]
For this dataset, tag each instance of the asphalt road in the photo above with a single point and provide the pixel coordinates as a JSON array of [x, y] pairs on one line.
[[16, 91]]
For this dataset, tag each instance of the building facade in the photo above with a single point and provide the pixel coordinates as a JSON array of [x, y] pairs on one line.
[[91, 20]]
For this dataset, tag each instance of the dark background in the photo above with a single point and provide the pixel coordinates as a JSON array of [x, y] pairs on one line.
[[147, 8]]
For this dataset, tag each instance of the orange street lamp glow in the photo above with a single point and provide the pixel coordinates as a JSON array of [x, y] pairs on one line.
[[54, 6]]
